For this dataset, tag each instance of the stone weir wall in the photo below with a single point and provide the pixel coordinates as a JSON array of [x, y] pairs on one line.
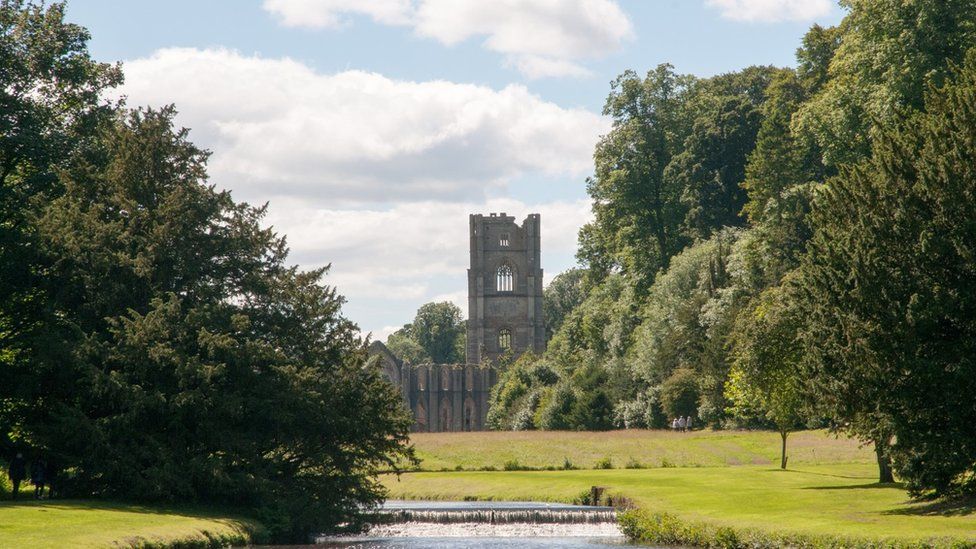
[[442, 397]]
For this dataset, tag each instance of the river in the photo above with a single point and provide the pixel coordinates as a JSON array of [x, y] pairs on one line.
[[502, 525]]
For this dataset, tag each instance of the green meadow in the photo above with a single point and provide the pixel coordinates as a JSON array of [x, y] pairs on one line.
[[721, 482], [83, 524], [636, 448]]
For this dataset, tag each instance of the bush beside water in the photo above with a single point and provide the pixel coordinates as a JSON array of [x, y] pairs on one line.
[[642, 526]]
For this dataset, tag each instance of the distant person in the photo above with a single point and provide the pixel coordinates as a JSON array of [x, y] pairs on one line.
[[50, 475], [17, 470], [688, 424], [681, 423], [37, 477], [674, 424]]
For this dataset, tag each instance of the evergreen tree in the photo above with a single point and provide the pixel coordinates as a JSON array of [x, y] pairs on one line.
[[888, 294]]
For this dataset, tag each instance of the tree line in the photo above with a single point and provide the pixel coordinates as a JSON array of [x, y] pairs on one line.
[[154, 342], [783, 247]]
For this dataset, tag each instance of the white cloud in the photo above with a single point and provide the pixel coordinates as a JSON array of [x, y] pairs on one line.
[[328, 13], [412, 254], [538, 37], [278, 128], [772, 10]]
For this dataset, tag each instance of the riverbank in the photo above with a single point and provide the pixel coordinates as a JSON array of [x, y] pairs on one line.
[[822, 504], [96, 524]]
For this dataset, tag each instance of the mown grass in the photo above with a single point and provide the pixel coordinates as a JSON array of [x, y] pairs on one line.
[[711, 488], [83, 524], [840, 500], [633, 448]]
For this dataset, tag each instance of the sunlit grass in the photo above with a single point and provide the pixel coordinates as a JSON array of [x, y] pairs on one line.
[[82, 524], [836, 499], [541, 449]]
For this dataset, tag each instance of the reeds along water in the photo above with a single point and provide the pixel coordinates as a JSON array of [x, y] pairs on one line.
[[498, 516]]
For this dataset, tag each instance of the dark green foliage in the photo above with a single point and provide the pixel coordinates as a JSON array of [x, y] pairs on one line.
[[560, 297], [637, 211], [711, 166], [205, 367], [153, 342], [666, 529], [679, 394], [49, 105], [889, 293], [887, 53], [437, 335]]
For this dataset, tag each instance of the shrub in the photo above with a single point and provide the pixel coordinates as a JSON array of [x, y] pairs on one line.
[[679, 393], [605, 463], [634, 464]]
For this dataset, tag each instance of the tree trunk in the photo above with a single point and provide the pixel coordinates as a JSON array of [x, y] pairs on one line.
[[782, 459], [885, 475]]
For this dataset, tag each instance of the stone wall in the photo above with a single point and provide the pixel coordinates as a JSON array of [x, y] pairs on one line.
[[442, 397]]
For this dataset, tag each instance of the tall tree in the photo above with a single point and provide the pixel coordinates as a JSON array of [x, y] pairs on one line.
[[50, 103], [765, 378], [888, 53], [560, 297], [437, 334], [204, 368], [888, 292], [637, 212]]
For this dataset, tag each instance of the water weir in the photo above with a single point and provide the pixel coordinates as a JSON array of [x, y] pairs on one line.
[[402, 519]]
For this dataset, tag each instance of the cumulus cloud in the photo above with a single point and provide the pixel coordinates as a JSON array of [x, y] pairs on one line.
[[372, 175], [538, 37], [328, 13], [772, 10], [278, 128]]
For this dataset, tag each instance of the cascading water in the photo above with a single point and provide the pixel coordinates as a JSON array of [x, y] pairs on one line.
[[488, 524]]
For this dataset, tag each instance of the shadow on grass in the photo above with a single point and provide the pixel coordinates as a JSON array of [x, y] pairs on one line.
[[953, 508], [188, 511], [857, 486], [853, 477]]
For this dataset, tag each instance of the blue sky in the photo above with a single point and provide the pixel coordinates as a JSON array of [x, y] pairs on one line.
[[374, 128]]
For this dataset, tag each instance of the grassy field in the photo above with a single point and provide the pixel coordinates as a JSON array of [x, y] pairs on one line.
[[541, 449], [840, 499], [57, 524], [718, 480]]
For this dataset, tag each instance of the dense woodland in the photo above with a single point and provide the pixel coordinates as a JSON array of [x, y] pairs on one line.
[[783, 248], [154, 343]]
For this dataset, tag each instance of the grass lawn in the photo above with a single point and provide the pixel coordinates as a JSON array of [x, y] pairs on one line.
[[830, 488], [69, 523], [540, 449]]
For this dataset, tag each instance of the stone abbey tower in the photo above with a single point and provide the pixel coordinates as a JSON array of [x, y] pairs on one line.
[[504, 288], [504, 317]]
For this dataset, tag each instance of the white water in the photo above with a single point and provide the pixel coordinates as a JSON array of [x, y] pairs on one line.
[[488, 524]]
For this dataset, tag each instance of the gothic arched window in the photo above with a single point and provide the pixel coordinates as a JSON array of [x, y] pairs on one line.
[[505, 339], [506, 280]]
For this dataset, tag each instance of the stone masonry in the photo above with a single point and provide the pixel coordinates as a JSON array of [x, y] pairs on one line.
[[504, 319]]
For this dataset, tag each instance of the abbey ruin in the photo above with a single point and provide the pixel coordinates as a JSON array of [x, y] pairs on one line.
[[504, 320]]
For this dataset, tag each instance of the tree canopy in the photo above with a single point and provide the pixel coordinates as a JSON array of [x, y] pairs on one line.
[[154, 343]]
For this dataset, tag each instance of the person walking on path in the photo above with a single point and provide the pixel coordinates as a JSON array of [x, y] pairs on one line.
[[17, 470], [37, 478], [674, 424], [688, 424], [681, 423]]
